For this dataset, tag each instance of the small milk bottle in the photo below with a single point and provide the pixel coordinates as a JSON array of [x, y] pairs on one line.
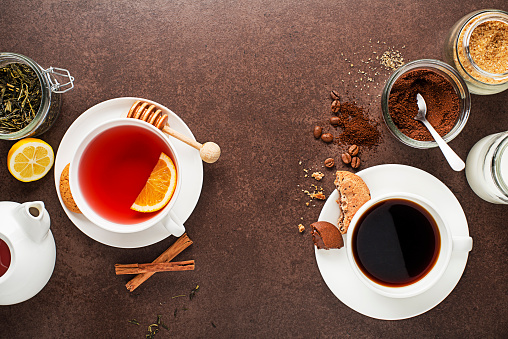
[[487, 168]]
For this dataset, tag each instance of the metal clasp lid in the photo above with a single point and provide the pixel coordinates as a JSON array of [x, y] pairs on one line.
[[56, 86]]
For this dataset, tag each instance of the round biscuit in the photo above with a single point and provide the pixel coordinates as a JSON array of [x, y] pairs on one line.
[[65, 191]]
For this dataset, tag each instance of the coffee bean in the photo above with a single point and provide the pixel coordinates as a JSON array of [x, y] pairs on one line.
[[346, 158], [334, 95], [355, 162], [317, 132], [335, 106], [353, 150], [329, 162], [327, 137], [334, 121]]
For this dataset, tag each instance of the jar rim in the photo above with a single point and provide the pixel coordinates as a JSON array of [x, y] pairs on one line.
[[45, 94], [488, 15]]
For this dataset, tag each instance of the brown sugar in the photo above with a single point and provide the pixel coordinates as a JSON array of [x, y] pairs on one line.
[[489, 46]]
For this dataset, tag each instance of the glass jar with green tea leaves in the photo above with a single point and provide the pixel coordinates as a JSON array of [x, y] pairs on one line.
[[29, 96]]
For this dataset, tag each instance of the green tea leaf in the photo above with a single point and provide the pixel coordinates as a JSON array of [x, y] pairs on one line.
[[20, 97]]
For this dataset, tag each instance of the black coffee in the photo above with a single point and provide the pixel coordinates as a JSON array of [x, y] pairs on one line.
[[396, 242]]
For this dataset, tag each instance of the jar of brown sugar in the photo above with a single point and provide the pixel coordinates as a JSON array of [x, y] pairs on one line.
[[477, 46], [446, 95]]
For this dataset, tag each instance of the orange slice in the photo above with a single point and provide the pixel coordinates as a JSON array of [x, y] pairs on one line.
[[30, 159], [159, 187]]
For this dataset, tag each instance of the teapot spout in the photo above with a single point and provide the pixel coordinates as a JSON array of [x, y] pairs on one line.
[[34, 219]]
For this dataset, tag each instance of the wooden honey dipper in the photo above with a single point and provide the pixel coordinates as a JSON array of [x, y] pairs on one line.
[[142, 110]]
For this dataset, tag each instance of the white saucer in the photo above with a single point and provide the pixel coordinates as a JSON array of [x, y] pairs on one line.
[[338, 274], [191, 170]]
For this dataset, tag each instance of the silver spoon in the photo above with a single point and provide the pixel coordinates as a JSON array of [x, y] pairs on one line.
[[453, 159]]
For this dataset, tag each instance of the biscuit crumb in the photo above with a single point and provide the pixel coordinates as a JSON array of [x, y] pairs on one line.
[[318, 195], [315, 195], [317, 175], [301, 228]]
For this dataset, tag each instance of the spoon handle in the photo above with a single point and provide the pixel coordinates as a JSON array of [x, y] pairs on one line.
[[456, 163]]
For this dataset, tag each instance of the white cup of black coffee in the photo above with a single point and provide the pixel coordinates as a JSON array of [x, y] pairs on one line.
[[399, 246]]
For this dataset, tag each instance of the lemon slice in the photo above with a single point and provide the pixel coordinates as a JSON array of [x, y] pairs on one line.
[[159, 187], [30, 159]]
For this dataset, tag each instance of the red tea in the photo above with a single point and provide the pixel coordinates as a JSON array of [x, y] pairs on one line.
[[5, 257], [114, 169]]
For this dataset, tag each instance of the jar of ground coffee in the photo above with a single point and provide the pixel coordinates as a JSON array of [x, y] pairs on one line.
[[477, 46], [445, 93]]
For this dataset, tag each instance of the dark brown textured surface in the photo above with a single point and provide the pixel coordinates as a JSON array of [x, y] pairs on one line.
[[253, 76]]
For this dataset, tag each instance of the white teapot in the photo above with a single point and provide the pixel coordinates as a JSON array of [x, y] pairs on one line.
[[25, 235]]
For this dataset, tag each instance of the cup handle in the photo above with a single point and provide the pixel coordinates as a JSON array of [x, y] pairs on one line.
[[173, 224], [462, 244]]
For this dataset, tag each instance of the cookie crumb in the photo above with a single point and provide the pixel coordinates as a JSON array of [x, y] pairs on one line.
[[317, 175], [301, 228], [318, 195]]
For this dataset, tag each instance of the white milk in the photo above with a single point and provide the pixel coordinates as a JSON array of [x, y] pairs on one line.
[[487, 168]]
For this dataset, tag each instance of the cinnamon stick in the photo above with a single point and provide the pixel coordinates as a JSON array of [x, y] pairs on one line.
[[178, 246], [154, 267]]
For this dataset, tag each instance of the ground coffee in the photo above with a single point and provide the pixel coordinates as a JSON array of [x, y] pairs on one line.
[[442, 101], [356, 128]]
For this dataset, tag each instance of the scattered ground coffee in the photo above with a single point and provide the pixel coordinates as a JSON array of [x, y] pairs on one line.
[[355, 127], [442, 103]]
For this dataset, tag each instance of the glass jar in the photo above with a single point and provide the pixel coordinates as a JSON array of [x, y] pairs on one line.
[[482, 74], [487, 168], [448, 73], [51, 89]]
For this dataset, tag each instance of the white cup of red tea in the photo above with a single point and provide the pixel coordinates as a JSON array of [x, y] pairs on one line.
[[110, 168], [399, 246]]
